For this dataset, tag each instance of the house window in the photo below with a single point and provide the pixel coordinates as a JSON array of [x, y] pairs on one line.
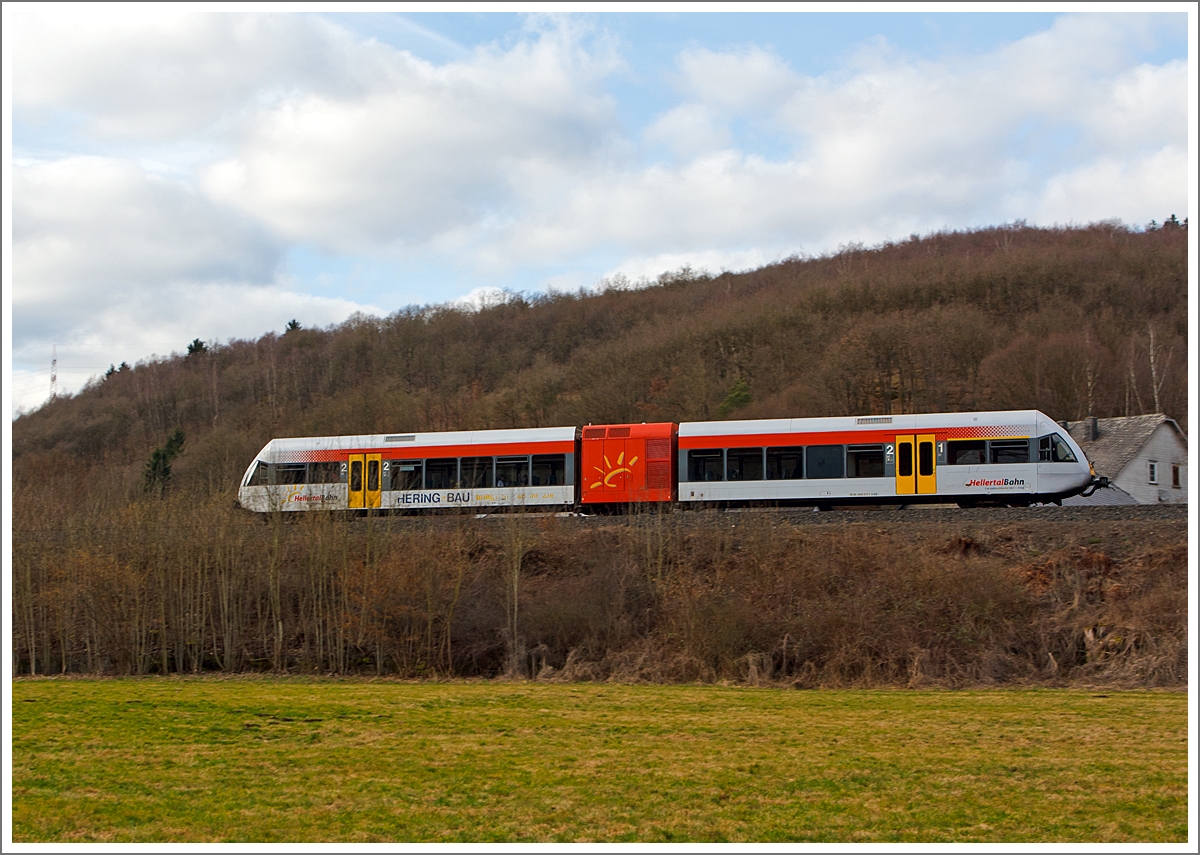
[[1175, 482], [1152, 471]]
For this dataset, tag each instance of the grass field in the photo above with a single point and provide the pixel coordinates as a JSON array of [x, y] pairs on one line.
[[310, 760]]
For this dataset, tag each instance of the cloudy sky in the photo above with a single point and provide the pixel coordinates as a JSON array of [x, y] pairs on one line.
[[179, 173]]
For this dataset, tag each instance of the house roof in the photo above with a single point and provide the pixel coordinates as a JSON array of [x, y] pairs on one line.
[[1119, 439]]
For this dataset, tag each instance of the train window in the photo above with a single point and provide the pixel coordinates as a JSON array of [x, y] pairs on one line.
[[744, 464], [372, 474], [864, 461], [406, 474], [290, 473], [706, 464], [323, 473], [549, 470], [441, 473], [258, 478], [356, 474], [512, 471], [924, 459], [1009, 451], [785, 463], [826, 461], [477, 472], [904, 460], [965, 452]]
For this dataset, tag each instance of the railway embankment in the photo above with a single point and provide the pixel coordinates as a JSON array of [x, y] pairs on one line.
[[920, 596]]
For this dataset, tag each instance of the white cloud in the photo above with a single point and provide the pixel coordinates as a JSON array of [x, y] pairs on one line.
[[737, 81], [713, 262], [883, 148], [239, 134], [128, 326], [690, 130], [1148, 187], [170, 70], [483, 297], [510, 156], [712, 201], [1140, 108], [111, 263], [427, 151], [85, 228]]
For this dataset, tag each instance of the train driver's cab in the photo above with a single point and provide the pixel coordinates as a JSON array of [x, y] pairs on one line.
[[1055, 449], [1063, 469]]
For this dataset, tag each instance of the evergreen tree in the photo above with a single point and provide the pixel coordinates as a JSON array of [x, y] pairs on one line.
[[738, 397], [158, 467]]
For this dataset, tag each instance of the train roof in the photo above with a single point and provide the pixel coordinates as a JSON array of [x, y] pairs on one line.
[[424, 440], [1004, 422]]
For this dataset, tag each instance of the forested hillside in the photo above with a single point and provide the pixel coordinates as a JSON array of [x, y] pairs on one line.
[[1069, 321], [129, 556]]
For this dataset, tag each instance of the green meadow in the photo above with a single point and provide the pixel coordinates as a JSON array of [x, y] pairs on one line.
[[260, 759]]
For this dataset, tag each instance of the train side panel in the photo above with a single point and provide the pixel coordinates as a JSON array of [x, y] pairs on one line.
[[971, 458], [402, 472], [624, 464]]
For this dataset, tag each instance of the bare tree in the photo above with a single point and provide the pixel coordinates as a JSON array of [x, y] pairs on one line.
[[518, 539], [1159, 363]]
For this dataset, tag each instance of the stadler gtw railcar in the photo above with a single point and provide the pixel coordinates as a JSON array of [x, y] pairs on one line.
[[995, 458]]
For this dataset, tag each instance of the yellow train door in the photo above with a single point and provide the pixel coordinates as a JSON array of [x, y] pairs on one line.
[[926, 463], [373, 491], [906, 475], [356, 481]]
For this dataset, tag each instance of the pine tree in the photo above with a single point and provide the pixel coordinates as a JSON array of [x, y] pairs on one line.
[[738, 397], [158, 467]]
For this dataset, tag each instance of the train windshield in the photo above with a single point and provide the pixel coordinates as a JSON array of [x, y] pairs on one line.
[[257, 476], [1054, 449]]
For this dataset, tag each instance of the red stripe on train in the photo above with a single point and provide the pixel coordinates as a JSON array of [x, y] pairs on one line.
[[846, 437], [430, 452]]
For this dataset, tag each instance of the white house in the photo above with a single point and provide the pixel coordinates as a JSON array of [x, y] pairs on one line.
[[1145, 458]]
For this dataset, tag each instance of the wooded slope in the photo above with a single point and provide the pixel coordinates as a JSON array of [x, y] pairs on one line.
[[111, 577], [1064, 320]]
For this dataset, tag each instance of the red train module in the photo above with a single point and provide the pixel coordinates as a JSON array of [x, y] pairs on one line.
[[620, 464]]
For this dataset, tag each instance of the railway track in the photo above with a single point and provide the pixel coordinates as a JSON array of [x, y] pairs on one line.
[[893, 516], [913, 515], [943, 513]]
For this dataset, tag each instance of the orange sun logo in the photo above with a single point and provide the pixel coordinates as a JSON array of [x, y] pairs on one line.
[[610, 471]]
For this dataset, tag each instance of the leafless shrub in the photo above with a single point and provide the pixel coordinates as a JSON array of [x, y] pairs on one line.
[[678, 597]]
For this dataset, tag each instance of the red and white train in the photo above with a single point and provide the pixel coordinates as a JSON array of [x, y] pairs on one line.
[[998, 458]]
